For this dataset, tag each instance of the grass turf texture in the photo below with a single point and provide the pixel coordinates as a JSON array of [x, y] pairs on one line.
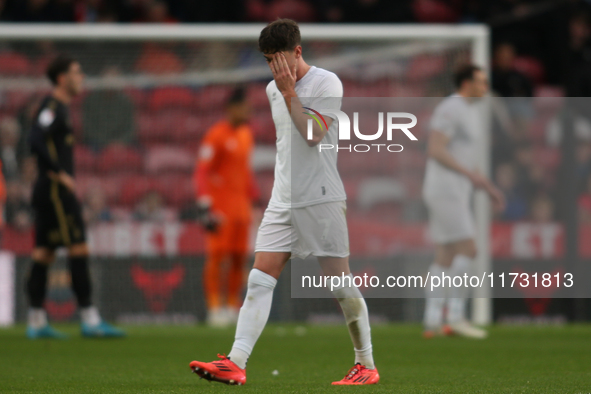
[[156, 360]]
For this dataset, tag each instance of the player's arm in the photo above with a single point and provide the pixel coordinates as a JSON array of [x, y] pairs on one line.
[[42, 144], [205, 166], [437, 150], [285, 78]]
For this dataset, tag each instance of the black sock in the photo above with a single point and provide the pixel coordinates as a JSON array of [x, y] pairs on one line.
[[36, 285], [80, 280]]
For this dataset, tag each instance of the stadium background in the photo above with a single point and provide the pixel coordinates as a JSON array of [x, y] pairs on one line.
[[148, 103]]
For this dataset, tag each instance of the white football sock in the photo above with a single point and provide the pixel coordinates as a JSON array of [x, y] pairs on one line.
[[37, 318], [435, 300], [253, 315], [90, 316], [456, 303], [357, 318]]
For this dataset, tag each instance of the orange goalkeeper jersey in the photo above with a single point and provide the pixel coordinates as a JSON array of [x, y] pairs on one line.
[[223, 169]]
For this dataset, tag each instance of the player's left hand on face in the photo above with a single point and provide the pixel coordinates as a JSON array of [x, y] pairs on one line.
[[285, 77]]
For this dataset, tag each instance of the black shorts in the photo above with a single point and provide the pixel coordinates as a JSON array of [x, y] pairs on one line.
[[58, 216]]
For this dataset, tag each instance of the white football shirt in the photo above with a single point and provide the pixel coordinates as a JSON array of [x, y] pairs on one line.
[[458, 119], [305, 176]]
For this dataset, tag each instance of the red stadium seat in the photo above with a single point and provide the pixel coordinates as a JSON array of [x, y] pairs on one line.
[[138, 96], [14, 64], [213, 97], [177, 190], [84, 158], [110, 185], [549, 158], [434, 11], [119, 158], [265, 182], [548, 98], [39, 66], [169, 158], [531, 67], [257, 95], [263, 128], [133, 189], [14, 100], [423, 67], [189, 129], [171, 97], [537, 128], [156, 59], [161, 127]]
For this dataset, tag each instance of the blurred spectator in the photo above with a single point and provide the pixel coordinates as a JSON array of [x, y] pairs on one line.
[[206, 56], [101, 11], [578, 62], [506, 80], [108, 115], [25, 119], [299, 10], [43, 53], [28, 175], [31, 11], [581, 126], [210, 11], [157, 12], [150, 208], [583, 162], [367, 11], [42, 11], [542, 209], [63, 10], [88, 10], [9, 137], [18, 210], [584, 203], [4, 11], [155, 59], [527, 185], [435, 11], [95, 207], [506, 180]]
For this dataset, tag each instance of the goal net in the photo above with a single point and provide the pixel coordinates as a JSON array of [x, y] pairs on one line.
[[151, 92]]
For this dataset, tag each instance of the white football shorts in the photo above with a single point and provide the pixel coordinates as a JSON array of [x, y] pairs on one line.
[[450, 218], [318, 230]]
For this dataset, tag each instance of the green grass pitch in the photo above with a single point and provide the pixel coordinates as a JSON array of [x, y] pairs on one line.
[[156, 360]]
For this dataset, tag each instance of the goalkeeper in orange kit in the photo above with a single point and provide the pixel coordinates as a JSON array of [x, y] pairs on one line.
[[226, 190]]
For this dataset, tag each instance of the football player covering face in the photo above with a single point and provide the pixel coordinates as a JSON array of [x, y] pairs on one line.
[[297, 225]]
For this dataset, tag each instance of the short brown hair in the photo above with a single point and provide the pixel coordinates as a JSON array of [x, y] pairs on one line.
[[58, 66], [465, 73], [280, 35]]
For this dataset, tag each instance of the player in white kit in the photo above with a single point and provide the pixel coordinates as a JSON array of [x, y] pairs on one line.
[[450, 177], [306, 213]]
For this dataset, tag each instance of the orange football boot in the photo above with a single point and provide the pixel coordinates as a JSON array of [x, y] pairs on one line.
[[223, 371], [359, 374]]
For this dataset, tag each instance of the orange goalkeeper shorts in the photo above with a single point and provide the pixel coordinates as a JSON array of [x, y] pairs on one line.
[[232, 235]]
